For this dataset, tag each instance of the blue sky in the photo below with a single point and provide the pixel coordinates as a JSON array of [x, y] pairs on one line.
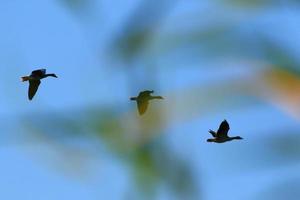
[[74, 45]]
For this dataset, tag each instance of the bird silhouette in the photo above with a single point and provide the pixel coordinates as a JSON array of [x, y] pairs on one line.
[[143, 100], [221, 135], [35, 80]]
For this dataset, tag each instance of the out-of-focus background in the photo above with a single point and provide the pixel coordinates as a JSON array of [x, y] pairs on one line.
[[81, 137]]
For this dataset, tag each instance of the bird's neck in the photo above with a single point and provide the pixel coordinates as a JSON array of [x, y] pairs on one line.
[[156, 97], [46, 75], [235, 138]]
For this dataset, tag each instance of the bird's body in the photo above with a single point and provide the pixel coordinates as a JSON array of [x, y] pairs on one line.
[[35, 80], [143, 100], [221, 135]]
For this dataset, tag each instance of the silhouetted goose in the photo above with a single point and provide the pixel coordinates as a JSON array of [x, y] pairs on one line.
[[35, 81], [221, 135], [143, 100]]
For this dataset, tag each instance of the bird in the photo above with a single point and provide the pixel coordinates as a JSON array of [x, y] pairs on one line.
[[221, 135], [35, 80], [143, 100]]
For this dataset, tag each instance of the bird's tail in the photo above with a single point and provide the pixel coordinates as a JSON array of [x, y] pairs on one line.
[[133, 98], [25, 78]]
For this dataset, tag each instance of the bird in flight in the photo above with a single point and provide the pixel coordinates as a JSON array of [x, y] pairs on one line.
[[143, 100], [221, 135], [35, 80]]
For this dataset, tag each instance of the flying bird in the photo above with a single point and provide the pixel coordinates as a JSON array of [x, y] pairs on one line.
[[221, 135], [143, 100], [35, 80]]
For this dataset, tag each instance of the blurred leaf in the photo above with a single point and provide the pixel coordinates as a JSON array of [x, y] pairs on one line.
[[288, 189], [259, 3], [79, 6], [136, 34], [279, 57], [250, 3], [283, 89]]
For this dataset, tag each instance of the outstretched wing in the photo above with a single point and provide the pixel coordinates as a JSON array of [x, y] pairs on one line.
[[145, 93], [33, 87], [213, 133], [223, 129], [142, 106], [39, 72]]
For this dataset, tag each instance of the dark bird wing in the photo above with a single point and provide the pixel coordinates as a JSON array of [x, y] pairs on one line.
[[142, 106], [145, 93], [223, 129], [213, 133], [39, 72], [33, 87]]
